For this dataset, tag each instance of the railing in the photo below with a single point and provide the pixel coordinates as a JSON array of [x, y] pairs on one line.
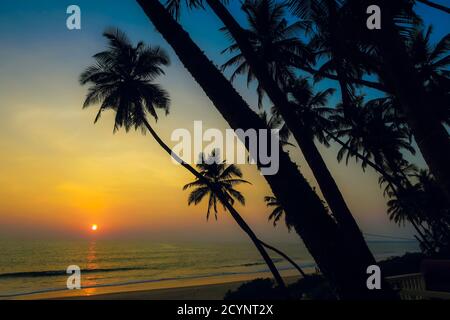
[[412, 287]]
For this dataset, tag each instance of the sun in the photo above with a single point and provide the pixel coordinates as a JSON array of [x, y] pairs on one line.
[[94, 227]]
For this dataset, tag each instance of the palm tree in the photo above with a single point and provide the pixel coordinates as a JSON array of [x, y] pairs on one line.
[[225, 178], [398, 69], [424, 205], [218, 182], [220, 175], [274, 41], [334, 255], [371, 129], [263, 15], [121, 81]]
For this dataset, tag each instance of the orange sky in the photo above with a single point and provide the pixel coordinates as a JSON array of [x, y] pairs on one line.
[[59, 173]]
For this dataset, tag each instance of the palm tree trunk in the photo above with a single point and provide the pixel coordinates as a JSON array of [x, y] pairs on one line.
[[435, 5], [241, 222], [304, 209], [281, 253]]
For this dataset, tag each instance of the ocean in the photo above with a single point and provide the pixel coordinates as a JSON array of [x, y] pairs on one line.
[[28, 267]]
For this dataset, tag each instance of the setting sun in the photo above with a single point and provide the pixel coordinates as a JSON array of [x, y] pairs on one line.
[[94, 227]]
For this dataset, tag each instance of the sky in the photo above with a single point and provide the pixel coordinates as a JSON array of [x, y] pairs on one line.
[[60, 173]]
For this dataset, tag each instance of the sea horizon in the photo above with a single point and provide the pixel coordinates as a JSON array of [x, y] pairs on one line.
[[38, 266]]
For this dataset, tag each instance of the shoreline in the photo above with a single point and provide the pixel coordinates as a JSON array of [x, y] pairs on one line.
[[206, 288]]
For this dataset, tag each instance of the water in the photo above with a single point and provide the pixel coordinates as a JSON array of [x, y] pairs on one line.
[[38, 266]]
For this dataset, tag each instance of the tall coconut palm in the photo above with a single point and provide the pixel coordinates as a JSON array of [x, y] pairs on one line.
[[221, 176], [274, 41], [333, 253], [265, 18], [122, 80], [224, 178]]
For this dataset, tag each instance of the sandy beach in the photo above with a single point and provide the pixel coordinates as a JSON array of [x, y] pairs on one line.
[[208, 288]]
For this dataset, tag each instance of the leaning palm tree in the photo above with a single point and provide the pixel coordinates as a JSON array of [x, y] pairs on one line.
[[217, 181], [224, 178], [122, 81], [334, 254], [274, 40], [268, 62]]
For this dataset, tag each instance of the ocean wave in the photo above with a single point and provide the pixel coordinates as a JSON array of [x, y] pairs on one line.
[[250, 264], [54, 273]]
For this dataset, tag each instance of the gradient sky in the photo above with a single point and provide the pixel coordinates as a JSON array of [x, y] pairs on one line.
[[59, 173]]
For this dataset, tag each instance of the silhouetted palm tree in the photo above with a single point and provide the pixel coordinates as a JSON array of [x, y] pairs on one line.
[[264, 17], [122, 81], [274, 41], [371, 129], [222, 177], [425, 206], [332, 250], [397, 68]]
